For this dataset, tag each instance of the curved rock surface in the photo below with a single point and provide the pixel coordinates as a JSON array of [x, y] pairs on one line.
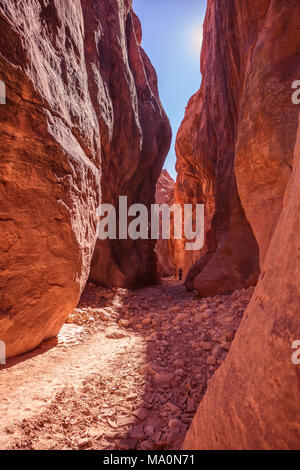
[[194, 183], [164, 195], [240, 123], [136, 137], [252, 401], [79, 87], [267, 119], [50, 160]]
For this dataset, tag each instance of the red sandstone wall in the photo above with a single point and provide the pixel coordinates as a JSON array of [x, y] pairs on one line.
[[82, 118]]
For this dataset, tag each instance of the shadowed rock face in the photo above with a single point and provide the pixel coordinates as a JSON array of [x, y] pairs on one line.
[[79, 88], [136, 137], [211, 131], [252, 401], [268, 120], [194, 183], [234, 147], [164, 195]]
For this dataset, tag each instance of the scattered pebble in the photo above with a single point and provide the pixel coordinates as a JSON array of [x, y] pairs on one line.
[[172, 343]]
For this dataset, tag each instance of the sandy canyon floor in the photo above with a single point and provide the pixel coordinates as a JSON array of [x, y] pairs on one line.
[[127, 371]]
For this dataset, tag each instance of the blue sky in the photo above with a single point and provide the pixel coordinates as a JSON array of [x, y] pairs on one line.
[[172, 36]]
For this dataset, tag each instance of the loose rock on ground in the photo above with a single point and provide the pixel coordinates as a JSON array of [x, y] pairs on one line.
[[128, 372]]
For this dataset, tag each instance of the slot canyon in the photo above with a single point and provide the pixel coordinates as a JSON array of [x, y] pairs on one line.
[[105, 347]]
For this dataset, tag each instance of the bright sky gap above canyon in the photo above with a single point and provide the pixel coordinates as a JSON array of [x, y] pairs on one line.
[[172, 38]]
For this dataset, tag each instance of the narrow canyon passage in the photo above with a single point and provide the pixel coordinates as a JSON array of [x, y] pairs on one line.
[[114, 173], [128, 370]]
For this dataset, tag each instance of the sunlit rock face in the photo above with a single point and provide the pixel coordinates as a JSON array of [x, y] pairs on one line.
[[82, 117], [50, 160], [164, 195], [193, 184], [136, 137], [252, 400], [234, 146]]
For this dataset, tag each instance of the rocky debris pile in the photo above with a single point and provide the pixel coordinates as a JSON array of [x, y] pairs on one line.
[[171, 343]]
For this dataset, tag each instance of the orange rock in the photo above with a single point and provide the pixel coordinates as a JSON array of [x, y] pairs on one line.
[[257, 387], [83, 119], [164, 195], [162, 378], [49, 171], [135, 135]]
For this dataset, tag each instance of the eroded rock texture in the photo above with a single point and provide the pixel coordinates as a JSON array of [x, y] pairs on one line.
[[164, 195], [136, 137], [50, 155], [193, 185], [267, 119], [238, 130], [252, 401], [75, 79]]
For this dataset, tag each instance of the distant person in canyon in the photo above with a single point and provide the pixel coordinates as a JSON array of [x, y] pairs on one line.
[[180, 272]]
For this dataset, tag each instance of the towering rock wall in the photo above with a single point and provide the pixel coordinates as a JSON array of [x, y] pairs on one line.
[[82, 116], [136, 137], [210, 132], [253, 400], [164, 195], [267, 119], [247, 129], [234, 146], [194, 183]]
